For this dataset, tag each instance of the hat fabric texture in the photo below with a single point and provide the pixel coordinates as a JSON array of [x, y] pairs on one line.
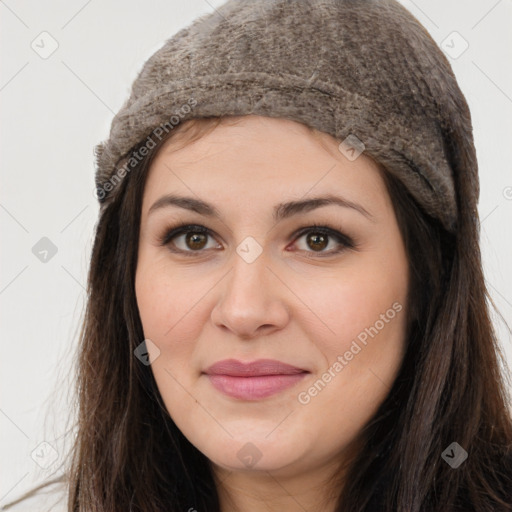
[[364, 71]]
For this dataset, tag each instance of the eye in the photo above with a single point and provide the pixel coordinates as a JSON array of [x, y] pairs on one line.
[[191, 239], [187, 239], [317, 238]]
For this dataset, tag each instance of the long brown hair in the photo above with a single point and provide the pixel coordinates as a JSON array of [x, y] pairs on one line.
[[129, 455]]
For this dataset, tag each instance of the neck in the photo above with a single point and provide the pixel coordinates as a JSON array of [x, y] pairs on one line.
[[272, 491]]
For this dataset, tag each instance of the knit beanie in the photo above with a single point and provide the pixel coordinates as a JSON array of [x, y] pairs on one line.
[[364, 71]]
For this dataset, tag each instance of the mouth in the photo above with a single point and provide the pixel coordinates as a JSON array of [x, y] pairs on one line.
[[255, 380]]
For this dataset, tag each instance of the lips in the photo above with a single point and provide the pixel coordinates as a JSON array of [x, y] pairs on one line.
[[255, 380]]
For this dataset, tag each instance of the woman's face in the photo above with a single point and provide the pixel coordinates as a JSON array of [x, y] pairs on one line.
[[328, 308]]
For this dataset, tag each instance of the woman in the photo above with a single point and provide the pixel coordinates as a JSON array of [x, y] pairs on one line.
[[287, 309]]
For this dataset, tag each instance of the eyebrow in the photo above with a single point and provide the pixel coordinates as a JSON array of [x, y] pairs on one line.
[[281, 210]]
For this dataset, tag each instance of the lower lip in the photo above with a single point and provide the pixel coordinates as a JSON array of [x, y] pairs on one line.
[[254, 388]]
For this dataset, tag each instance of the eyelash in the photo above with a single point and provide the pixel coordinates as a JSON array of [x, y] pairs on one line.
[[345, 241]]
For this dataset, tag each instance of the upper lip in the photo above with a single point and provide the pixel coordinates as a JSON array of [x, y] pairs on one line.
[[235, 368]]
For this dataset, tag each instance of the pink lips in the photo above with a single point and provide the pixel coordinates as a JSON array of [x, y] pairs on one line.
[[253, 381]]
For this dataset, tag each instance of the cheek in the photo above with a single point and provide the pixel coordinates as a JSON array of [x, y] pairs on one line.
[[362, 350], [351, 305], [171, 306], [156, 300]]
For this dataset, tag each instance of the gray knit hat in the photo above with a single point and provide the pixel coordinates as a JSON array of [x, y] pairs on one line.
[[365, 71]]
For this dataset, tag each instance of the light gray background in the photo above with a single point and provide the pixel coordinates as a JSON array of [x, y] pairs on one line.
[[55, 109]]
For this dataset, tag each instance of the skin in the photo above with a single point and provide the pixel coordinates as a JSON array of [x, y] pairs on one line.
[[295, 303]]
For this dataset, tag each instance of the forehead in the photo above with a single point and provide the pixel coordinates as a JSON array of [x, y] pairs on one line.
[[256, 159]]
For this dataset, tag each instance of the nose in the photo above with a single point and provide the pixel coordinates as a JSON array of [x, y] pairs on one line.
[[251, 300]]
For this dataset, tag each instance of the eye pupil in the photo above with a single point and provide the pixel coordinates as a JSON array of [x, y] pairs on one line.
[[319, 241], [196, 238]]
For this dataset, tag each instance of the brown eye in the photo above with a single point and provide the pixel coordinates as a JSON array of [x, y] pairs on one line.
[[316, 241], [319, 238], [196, 241], [188, 239]]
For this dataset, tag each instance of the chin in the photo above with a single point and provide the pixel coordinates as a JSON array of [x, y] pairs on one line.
[[255, 455], [250, 444]]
